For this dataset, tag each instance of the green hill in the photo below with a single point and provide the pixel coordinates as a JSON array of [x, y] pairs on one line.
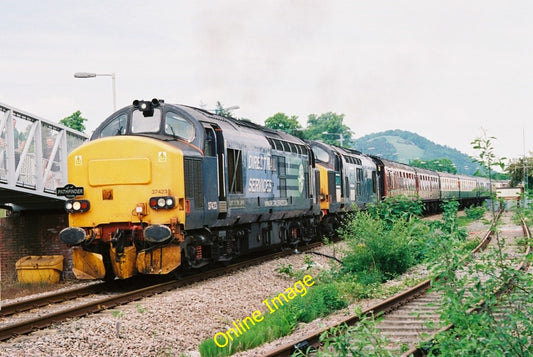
[[405, 146]]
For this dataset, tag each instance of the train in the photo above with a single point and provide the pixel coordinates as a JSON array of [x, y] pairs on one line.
[[163, 188]]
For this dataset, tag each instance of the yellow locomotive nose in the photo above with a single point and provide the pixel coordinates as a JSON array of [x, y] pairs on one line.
[[134, 199]]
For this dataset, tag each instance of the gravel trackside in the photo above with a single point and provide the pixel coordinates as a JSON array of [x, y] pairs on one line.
[[168, 324], [175, 322]]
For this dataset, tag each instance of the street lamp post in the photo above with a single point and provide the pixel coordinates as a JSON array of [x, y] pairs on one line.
[[341, 137], [92, 75]]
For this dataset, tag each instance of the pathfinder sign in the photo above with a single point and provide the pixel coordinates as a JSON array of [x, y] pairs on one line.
[[69, 191]]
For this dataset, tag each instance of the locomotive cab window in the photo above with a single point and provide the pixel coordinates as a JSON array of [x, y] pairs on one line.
[[145, 124], [178, 126], [116, 127]]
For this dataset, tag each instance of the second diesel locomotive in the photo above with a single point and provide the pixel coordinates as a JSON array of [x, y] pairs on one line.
[[161, 187]]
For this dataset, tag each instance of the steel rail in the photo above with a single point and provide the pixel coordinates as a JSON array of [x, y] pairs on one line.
[[53, 298], [95, 306], [312, 340], [523, 266]]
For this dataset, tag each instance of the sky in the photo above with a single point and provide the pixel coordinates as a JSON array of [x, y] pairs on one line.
[[447, 70]]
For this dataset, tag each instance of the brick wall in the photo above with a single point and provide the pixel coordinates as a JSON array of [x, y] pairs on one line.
[[32, 233]]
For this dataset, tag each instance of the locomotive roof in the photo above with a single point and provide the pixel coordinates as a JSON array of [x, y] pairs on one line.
[[238, 124], [226, 123]]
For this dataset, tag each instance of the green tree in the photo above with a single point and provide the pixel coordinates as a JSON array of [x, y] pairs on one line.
[[488, 160], [74, 121], [329, 127], [515, 169], [281, 121], [442, 165], [486, 155]]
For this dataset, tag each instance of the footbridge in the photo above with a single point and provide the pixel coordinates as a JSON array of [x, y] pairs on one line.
[[33, 159]]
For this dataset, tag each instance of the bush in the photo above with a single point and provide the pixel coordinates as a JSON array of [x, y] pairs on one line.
[[392, 209], [377, 250], [475, 213]]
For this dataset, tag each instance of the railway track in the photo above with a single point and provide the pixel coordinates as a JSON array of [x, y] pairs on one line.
[[408, 318], [39, 320]]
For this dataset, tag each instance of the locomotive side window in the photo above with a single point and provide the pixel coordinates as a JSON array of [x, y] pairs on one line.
[[176, 125], [235, 171], [116, 127], [148, 124], [282, 174], [359, 178], [209, 143], [320, 154]]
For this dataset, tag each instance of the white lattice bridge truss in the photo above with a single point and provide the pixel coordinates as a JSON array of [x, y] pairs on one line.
[[33, 159]]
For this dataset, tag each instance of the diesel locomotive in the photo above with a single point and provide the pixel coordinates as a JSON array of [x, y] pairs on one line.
[[162, 187]]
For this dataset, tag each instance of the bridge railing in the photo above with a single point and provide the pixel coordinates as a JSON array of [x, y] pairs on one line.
[[33, 152]]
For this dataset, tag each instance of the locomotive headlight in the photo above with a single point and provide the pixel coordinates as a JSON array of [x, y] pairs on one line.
[[77, 206], [166, 202]]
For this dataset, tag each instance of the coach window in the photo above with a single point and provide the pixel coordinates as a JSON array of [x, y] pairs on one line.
[[116, 127], [176, 125], [148, 124]]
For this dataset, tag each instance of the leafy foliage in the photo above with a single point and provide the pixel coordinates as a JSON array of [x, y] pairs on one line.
[[515, 169], [449, 224], [502, 327], [488, 160], [281, 121], [394, 208], [475, 213], [74, 121], [486, 156], [325, 127], [384, 241], [377, 250], [442, 165]]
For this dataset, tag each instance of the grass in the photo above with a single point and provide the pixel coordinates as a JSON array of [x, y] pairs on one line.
[[373, 240], [319, 301], [14, 289]]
